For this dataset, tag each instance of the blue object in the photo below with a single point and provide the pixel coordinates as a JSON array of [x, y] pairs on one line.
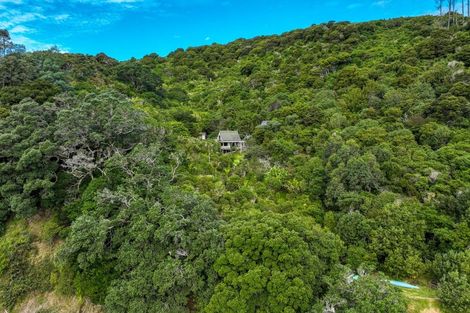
[[392, 282], [403, 284]]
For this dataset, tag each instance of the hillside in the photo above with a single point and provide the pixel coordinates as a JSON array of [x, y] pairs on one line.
[[357, 162]]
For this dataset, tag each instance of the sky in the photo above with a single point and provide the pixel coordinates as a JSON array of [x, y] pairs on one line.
[[133, 28]]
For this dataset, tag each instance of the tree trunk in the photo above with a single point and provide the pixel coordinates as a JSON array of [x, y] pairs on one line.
[[454, 16], [453, 12], [449, 13]]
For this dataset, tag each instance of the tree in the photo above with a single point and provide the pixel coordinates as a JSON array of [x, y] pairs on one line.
[[354, 229], [28, 162], [93, 130], [397, 239], [452, 271], [165, 264], [452, 261], [450, 6], [454, 292], [7, 46], [5, 42], [313, 173], [450, 109], [15, 70], [463, 55], [161, 242], [276, 178], [362, 173], [440, 6], [38, 142], [140, 77], [366, 293], [435, 135], [273, 263]]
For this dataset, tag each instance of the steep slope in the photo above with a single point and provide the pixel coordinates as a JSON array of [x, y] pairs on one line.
[[357, 163]]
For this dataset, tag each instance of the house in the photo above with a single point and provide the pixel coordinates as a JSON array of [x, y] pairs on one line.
[[230, 141]]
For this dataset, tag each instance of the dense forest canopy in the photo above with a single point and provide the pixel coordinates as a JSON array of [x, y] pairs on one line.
[[358, 165]]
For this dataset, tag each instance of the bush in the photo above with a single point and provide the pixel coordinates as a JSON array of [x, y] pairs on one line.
[[463, 55], [454, 292], [434, 135]]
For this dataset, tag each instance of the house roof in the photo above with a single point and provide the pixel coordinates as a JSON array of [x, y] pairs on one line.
[[229, 136]]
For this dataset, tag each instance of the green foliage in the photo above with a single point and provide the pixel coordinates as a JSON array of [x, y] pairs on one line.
[[463, 54], [27, 164], [369, 293], [52, 229], [140, 77], [454, 291], [398, 239], [98, 127], [451, 262], [362, 173], [452, 271], [360, 127], [276, 178], [313, 173], [39, 142], [143, 247], [354, 229], [273, 263], [435, 135]]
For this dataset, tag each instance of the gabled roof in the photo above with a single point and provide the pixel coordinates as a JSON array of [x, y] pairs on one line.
[[229, 136]]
